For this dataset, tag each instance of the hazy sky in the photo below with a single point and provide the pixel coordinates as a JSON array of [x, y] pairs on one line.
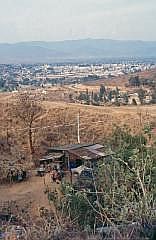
[[23, 20]]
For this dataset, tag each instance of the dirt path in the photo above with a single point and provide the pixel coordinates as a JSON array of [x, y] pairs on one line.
[[31, 190]]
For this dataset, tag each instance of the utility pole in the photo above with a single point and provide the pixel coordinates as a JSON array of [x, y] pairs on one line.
[[78, 127]]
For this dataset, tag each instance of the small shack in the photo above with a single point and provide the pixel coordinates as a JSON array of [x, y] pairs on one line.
[[72, 156]]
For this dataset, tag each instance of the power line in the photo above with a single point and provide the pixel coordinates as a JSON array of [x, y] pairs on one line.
[[44, 127], [53, 126]]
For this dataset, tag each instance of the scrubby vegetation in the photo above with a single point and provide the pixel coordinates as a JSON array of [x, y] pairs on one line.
[[121, 201]]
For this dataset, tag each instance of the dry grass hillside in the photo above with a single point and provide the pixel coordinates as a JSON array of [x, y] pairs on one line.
[[58, 124], [120, 81], [96, 123]]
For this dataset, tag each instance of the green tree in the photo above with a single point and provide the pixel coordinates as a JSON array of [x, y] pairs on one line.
[[102, 92], [96, 98], [141, 94], [134, 81], [125, 97]]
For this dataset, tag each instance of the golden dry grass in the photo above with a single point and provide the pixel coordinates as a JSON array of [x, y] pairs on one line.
[[120, 81], [97, 123]]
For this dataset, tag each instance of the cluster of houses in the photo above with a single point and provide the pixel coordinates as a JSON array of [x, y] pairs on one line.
[[113, 97], [14, 77]]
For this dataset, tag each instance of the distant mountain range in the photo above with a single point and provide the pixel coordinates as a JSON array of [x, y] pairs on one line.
[[75, 50]]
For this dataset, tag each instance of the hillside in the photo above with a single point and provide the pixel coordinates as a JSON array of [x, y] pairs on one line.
[[96, 123], [120, 81], [75, 50], [36, 202]]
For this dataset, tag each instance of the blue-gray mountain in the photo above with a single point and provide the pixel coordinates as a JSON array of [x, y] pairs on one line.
[[75, 50]]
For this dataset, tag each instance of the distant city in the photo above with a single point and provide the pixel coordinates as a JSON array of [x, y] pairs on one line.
[[15, 77]]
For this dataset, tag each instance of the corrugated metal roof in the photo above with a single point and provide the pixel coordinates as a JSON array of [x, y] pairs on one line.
[[84, 153], [95, 146], [69, 147], [52, 156], [99, 153]]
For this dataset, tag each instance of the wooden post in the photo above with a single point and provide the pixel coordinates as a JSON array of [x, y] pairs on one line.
[[78, 127]]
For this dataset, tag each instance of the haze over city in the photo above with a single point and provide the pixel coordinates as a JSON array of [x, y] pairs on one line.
[[51, 20]]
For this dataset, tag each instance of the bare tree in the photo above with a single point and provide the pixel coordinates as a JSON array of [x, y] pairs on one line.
[[28, 110]]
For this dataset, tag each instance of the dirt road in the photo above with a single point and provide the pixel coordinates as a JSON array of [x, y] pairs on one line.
[[30, 191]]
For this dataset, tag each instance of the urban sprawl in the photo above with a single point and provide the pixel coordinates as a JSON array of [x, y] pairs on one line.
[[14, 78]]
